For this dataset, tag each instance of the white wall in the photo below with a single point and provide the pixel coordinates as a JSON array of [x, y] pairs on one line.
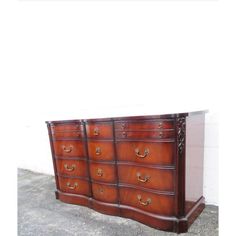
[[75, 59]]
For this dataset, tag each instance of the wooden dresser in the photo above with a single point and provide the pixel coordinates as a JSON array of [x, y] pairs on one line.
[[146, 168]]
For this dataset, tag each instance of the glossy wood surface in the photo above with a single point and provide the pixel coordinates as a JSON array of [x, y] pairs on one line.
[[145, 134], [105, 193], [144, 125], [103, 172], [72, 167], [68, 134], [159, 153], [159, 204], [101, 150], [99, 130], [63, 127], [73, 185], [69, 148], [150, 178], [145, 168]]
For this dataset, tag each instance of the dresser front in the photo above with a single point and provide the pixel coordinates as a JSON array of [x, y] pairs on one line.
[[132, 167]]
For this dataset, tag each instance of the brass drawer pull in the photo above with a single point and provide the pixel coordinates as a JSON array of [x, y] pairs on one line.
[[160, 134], [99, 172], [137, 152], [69, 168], [143, 180], [96, 131], [67, 149], [142, 202], [71, 187], [123, 125], [160, 125], [98, 151]]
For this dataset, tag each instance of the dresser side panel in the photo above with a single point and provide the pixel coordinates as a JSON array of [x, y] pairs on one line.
[[194, 160]]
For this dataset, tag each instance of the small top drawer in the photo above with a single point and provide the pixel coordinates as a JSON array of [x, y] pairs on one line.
[[144, 125], [101, 130], [62, 127], [145, 134]]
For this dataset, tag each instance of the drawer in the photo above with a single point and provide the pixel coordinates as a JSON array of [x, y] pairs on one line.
[[72, 167], [103, 172], [105, 193], [160, 153], [62, 127], [102, 150], [144, 125], [68, 134], [99, 130], [157, 179], [73, 185], [145, 134], [69, 148], [151, 202]]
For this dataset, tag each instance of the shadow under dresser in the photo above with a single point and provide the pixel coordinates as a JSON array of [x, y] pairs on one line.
[[146, 168]]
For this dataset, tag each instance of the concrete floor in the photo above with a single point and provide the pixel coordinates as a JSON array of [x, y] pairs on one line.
[[39, 213]]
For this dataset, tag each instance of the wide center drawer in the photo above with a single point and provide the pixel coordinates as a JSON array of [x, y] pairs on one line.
[[69, 148], [160, 153], [155, 203], [151, 178], [72, 167]]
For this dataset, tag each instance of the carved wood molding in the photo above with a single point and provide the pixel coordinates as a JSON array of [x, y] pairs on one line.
[[181, 124]]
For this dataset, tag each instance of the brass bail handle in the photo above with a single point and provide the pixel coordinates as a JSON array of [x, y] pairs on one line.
[[96, 131], [67, 149], [144, 203], [98, 151], [143, 180], [70, 186], [68, 168], [99, 172], [137, 152]]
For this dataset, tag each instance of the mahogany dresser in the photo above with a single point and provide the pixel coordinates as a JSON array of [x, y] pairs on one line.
[[146, 168]]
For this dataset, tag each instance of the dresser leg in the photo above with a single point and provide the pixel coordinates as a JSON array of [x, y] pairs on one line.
[[56, 194]]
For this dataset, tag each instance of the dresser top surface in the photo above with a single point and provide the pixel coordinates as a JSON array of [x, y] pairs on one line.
[[133, 117]]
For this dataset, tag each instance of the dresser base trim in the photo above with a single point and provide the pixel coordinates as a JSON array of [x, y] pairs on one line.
[[165, 223]]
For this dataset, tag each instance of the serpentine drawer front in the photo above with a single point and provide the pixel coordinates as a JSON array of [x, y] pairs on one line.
[[147, 168]]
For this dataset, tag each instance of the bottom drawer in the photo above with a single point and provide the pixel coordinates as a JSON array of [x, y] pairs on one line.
[[151, 202], [105, 193], [73, 185]]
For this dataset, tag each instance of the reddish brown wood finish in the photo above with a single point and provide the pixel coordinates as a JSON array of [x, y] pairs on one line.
[[72, 167], [72, 185], [145, 134], [99, 130], [144, 125], [150, 178], [145, 168], [159, 153], [105, 193], [101, 150], [159, 204], [69, 148], [68, 134], [63, 127], [103, 172]]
